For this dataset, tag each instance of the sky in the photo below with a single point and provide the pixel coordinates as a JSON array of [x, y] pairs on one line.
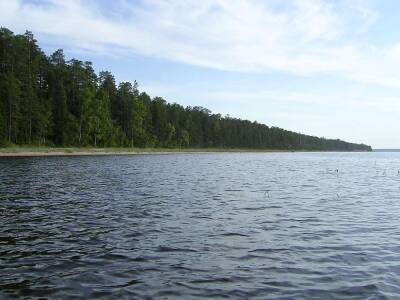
[[329, 68]]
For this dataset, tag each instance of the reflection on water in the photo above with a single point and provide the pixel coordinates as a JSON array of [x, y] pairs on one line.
[[274, 225]]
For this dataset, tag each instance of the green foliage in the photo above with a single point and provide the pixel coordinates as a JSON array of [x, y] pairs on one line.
[[51, 101], [10, 105], [60, 114]]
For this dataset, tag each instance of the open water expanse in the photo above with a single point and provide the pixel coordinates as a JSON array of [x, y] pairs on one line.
[[192, 226]]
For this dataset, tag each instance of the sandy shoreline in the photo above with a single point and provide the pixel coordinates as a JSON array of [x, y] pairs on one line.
[[4, 152], [32, 152], [58, 153], [87, 153]]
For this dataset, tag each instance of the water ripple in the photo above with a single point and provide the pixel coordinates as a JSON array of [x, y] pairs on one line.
[[234, 226]]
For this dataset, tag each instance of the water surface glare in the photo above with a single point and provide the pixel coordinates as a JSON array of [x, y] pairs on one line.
[[193, 226]]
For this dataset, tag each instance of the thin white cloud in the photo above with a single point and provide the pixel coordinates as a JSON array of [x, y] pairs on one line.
[[298, 36]]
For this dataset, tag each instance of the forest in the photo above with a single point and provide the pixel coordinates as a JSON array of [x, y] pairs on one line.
[[51, 101]]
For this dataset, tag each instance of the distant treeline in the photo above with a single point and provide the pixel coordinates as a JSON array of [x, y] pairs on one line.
[[46, 100]]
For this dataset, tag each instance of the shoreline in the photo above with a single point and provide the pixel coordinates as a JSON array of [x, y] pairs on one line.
[[43, 152]]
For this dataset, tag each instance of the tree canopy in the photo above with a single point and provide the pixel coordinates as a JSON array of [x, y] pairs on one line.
[[46, 100]]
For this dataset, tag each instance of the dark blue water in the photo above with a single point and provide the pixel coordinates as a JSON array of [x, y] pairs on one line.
[[192, 226]]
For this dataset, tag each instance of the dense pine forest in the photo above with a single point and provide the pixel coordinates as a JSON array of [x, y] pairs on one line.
[[48, 101]]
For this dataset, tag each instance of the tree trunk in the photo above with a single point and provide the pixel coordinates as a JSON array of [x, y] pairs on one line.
[[10, 119], [80, 130], [30, 86], [132, 137]]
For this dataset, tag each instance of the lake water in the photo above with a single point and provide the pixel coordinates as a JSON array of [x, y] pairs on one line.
[[192, 226]]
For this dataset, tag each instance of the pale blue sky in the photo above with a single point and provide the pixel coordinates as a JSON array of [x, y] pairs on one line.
[[323, 67]]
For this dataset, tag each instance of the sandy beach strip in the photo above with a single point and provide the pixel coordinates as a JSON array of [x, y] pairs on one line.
[[4, 152]]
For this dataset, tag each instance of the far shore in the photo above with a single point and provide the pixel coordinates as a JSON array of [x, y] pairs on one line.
[[50, 151]]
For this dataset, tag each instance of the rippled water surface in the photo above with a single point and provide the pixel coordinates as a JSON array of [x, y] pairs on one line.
[[190, 226]]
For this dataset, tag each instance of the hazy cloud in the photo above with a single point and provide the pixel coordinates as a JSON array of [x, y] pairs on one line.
[[297, 36]]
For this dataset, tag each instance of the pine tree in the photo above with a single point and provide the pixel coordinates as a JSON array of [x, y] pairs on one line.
[[46, 101], [10, 95], [60, 114]]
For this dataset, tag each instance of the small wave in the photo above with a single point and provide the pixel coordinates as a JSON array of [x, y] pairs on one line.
[[126, 284], [167, 294], [173, 249], [269, 250], [202, 217], [233, 234], [111, 256], [255, 208], [184, 268], [248, 257], [144, 258], [357, 290], [231, 279]]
